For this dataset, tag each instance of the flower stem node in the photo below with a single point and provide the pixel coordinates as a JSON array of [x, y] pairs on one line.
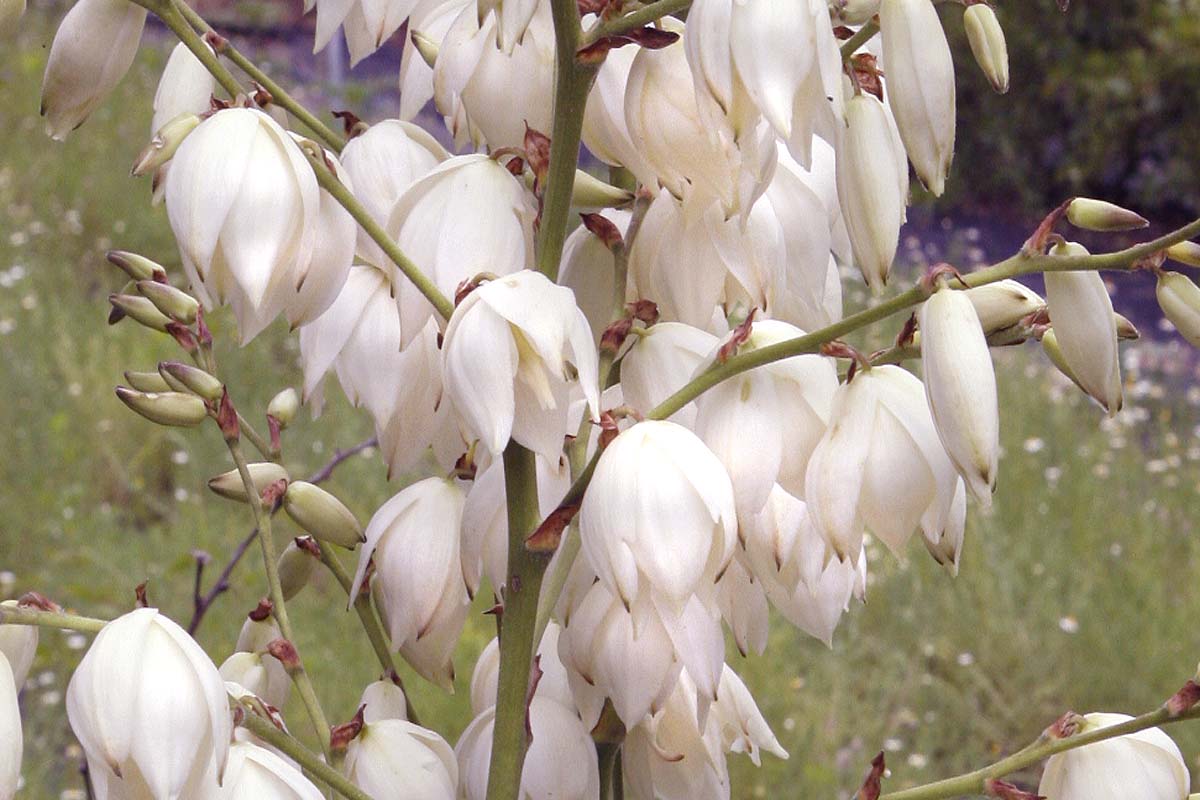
[[174, 303], [163, 144], [322, 515], [262, 474], [1179, 299], [138, 268], [186, 378], [165, 408], [1099, 215], [986, 38], [140, 310]]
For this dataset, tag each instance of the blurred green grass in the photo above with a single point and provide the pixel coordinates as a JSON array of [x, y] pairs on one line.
[[1076, 591]]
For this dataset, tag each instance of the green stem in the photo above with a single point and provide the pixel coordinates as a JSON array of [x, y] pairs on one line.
[[974, 782], [572, 81], [636, 19], [861, 37], [260, 444], [608, 757], [278, 94], [330, 183], [23, 615], [262, 521], [521, 593], [302, 755]]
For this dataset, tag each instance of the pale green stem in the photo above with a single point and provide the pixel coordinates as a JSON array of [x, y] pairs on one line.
[[634, 20], [23, 615], [861, 37], [608, 758], [260, 444], [306, 758]]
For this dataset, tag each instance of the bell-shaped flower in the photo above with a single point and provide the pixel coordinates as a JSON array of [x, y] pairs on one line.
[[560, 764], [514, 349], [244, 206], [11, 737], [880, 464], [392, 753], [1085, 330], [743, 728], [428, 24], [466, 217], [19, 644], [367, 23], [960, 383], [512, 19], [485, 520], [872, 186], [256, 773], [382, 163], [488, 89], [605, 132], [91, 52], [743, 604], [588, 269], [660, 361], [764, 423], [383, 699], [552, 683], [658, 515], [150, 709], [920, 86], [414, 540], [1145, 765]]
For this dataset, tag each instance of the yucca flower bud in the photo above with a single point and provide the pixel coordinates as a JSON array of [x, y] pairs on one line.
[[960, 383], [986, 38], [256, 773], [920, 86], [150, 709], [284, 406], [1144, 764], [163, 144], [260, 674], [186, 378], [92, 51], [872, 186], [262, 474], [1185, 253], [1179, 300], [1085, 331], [296, 566], [165, 408], [137, 267], [140, 310], [1126, 330], [176, 304], [1099, 215], [1003, 304], [18, 643], [853, 12], [321, 514], [147, 381], [587, 269], [383, 700], [11, 737], [392, 753]]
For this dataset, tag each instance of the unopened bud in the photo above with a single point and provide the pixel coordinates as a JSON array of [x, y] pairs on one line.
[[140, 310], [296, 565], [1179, 300], [321, 514], [1185, 253], [164, 143], [591, 192], [147, 381], [262, 474], [284, 406], [165, 408], [138, 268], [427, 47], [1126, 330], [1003, 304], [986, 38], [1098, 215], [192, 379], [175, 303]]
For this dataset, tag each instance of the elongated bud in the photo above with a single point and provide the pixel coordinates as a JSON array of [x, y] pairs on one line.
[[192, 379], [1185, 253], [321, 514], [296, 565], [138, 268], [283, 407], [140, 310], [262, 474], [163, 144], [1099, 215], [175, 303], [591, 192], [427, 47], [1126, 330], [147, 381], [1179, 300], [987, 44], [165, 408], [1003, 304]]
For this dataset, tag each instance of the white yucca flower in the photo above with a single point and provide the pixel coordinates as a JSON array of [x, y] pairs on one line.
[[384, 699], [588, 269], [660, 361], [256, 773], [1179, 299], [367, 23], [19, 644], [429, 22], [1145, 765], [515, 348], [553, 682], [513, 18], [91, 52], [743, 728], [150, 710], [1003, 304], [414, 541], [920, 86], [744, 607], [605, 132], [392, 753], [11, 736], [960, 383], [186, 86]]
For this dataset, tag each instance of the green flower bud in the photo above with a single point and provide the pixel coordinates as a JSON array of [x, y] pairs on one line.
[[147, 381], [296, 565], [1126, 330], [321, 514], [1179, 300], [283, 407], [165, 408], [192, 379], [140, 310], [175, 303], [986, 38], [591, 192], [164, 143], [262, 474], [1185, 253], [1098, 215], [427, 47], [138, 268]]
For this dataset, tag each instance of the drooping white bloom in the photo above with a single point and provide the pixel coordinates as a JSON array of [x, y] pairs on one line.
[[506, 356], [879, 465], [1145, 765], [1086, 331], [414, 540], [429, 22], [19, 644], [960, 383], [244, 205], [92, 51], [383, 699], [186, 86], [513, 18], [553, 682], [660, 362], [920, 85], [872, 185], [256, 773], [382, 163], [743, 729], [11, 737], [743, 604], [944, 537], [367, 23], [605, 132], [117, 703], [659, 514], [392, 753], [764, 423], [560, 765], [1003, 304], [467, 216], [986, 38]]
